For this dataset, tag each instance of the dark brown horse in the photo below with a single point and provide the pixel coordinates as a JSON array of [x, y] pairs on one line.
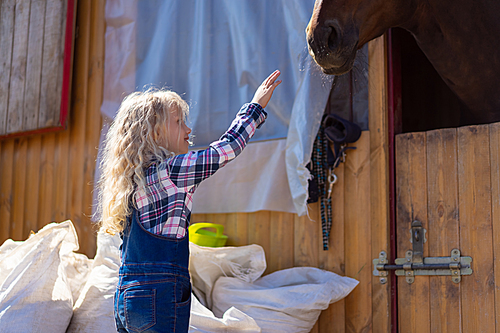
[[460, 38]]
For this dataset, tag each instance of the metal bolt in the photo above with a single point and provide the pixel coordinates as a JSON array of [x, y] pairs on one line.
[[383, 280], [456, 273], [456, 259]]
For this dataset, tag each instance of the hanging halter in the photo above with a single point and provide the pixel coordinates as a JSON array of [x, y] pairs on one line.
[[324, 160]]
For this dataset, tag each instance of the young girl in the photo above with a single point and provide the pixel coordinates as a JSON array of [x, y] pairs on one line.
[[148, 180]]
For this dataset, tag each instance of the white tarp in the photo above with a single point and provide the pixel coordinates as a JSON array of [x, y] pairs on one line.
[[215, 53]]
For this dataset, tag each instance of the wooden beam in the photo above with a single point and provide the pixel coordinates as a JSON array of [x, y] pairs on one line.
[[379, 177], [358, 254], [495, 210], [333, 318], [414, 308], [476, 240], [34, 65], [443, 227], [6, 39], [52, 68], [18, 69]]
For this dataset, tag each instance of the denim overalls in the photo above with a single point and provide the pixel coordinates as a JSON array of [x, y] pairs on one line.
[[154, 290]]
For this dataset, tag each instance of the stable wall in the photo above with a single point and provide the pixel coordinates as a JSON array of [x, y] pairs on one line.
[[46, 178]]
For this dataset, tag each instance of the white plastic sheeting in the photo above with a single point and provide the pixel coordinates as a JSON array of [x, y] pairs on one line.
[[215, 53]]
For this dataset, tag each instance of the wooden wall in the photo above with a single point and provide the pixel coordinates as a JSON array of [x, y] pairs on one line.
[[45, 178]]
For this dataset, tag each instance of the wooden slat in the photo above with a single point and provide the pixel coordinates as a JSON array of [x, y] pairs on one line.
[[306, 239], [53, 53], [379, 178], [478, 289], [230, 224], [495, 210], [333, 318], [78, 124], [93, 120], [240, 233], [34, 65], [259, 228], [19, 189], [443, 228], [61, 164], [414, 307], [32, 195], [358, 247], [281, 236], [6, 40], [6, 181], [47, 180], [18, 69]]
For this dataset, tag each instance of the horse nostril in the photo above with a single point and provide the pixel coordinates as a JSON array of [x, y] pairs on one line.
[[333, 38]]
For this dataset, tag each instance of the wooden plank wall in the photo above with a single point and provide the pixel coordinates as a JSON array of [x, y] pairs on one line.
[[449, 179], [49, 177], [32, 51]]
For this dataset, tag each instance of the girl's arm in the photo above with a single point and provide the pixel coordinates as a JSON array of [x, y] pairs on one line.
[[190, 169]]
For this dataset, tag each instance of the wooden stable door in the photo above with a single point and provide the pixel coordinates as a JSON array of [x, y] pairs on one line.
[[449, 180]]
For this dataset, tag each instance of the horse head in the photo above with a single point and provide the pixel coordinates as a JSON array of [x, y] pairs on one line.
[[338, 28]]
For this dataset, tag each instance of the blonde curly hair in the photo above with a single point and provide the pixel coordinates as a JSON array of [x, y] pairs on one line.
[[135, 140]]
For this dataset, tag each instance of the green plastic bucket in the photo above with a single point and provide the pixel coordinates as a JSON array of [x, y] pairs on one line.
[[199, 234]]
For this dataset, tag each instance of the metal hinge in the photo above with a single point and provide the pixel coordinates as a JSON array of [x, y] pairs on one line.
[[414, 262]]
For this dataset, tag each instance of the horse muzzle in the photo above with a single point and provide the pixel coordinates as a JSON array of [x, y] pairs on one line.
[[332, 48]]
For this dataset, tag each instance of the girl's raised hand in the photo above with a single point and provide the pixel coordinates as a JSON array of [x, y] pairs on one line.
[[266, 89]]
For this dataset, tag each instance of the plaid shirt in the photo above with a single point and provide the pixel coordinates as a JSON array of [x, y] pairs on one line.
[[165, 203]]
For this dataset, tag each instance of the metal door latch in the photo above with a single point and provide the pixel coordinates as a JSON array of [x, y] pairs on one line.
[[415, 264]]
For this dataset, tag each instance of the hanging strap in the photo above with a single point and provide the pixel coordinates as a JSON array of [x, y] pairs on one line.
[[324, 161]]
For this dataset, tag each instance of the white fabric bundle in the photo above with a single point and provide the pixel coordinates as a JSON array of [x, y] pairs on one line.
[[207, 264], [93, 311], [35, 286], [289, 300], [41, 278]]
